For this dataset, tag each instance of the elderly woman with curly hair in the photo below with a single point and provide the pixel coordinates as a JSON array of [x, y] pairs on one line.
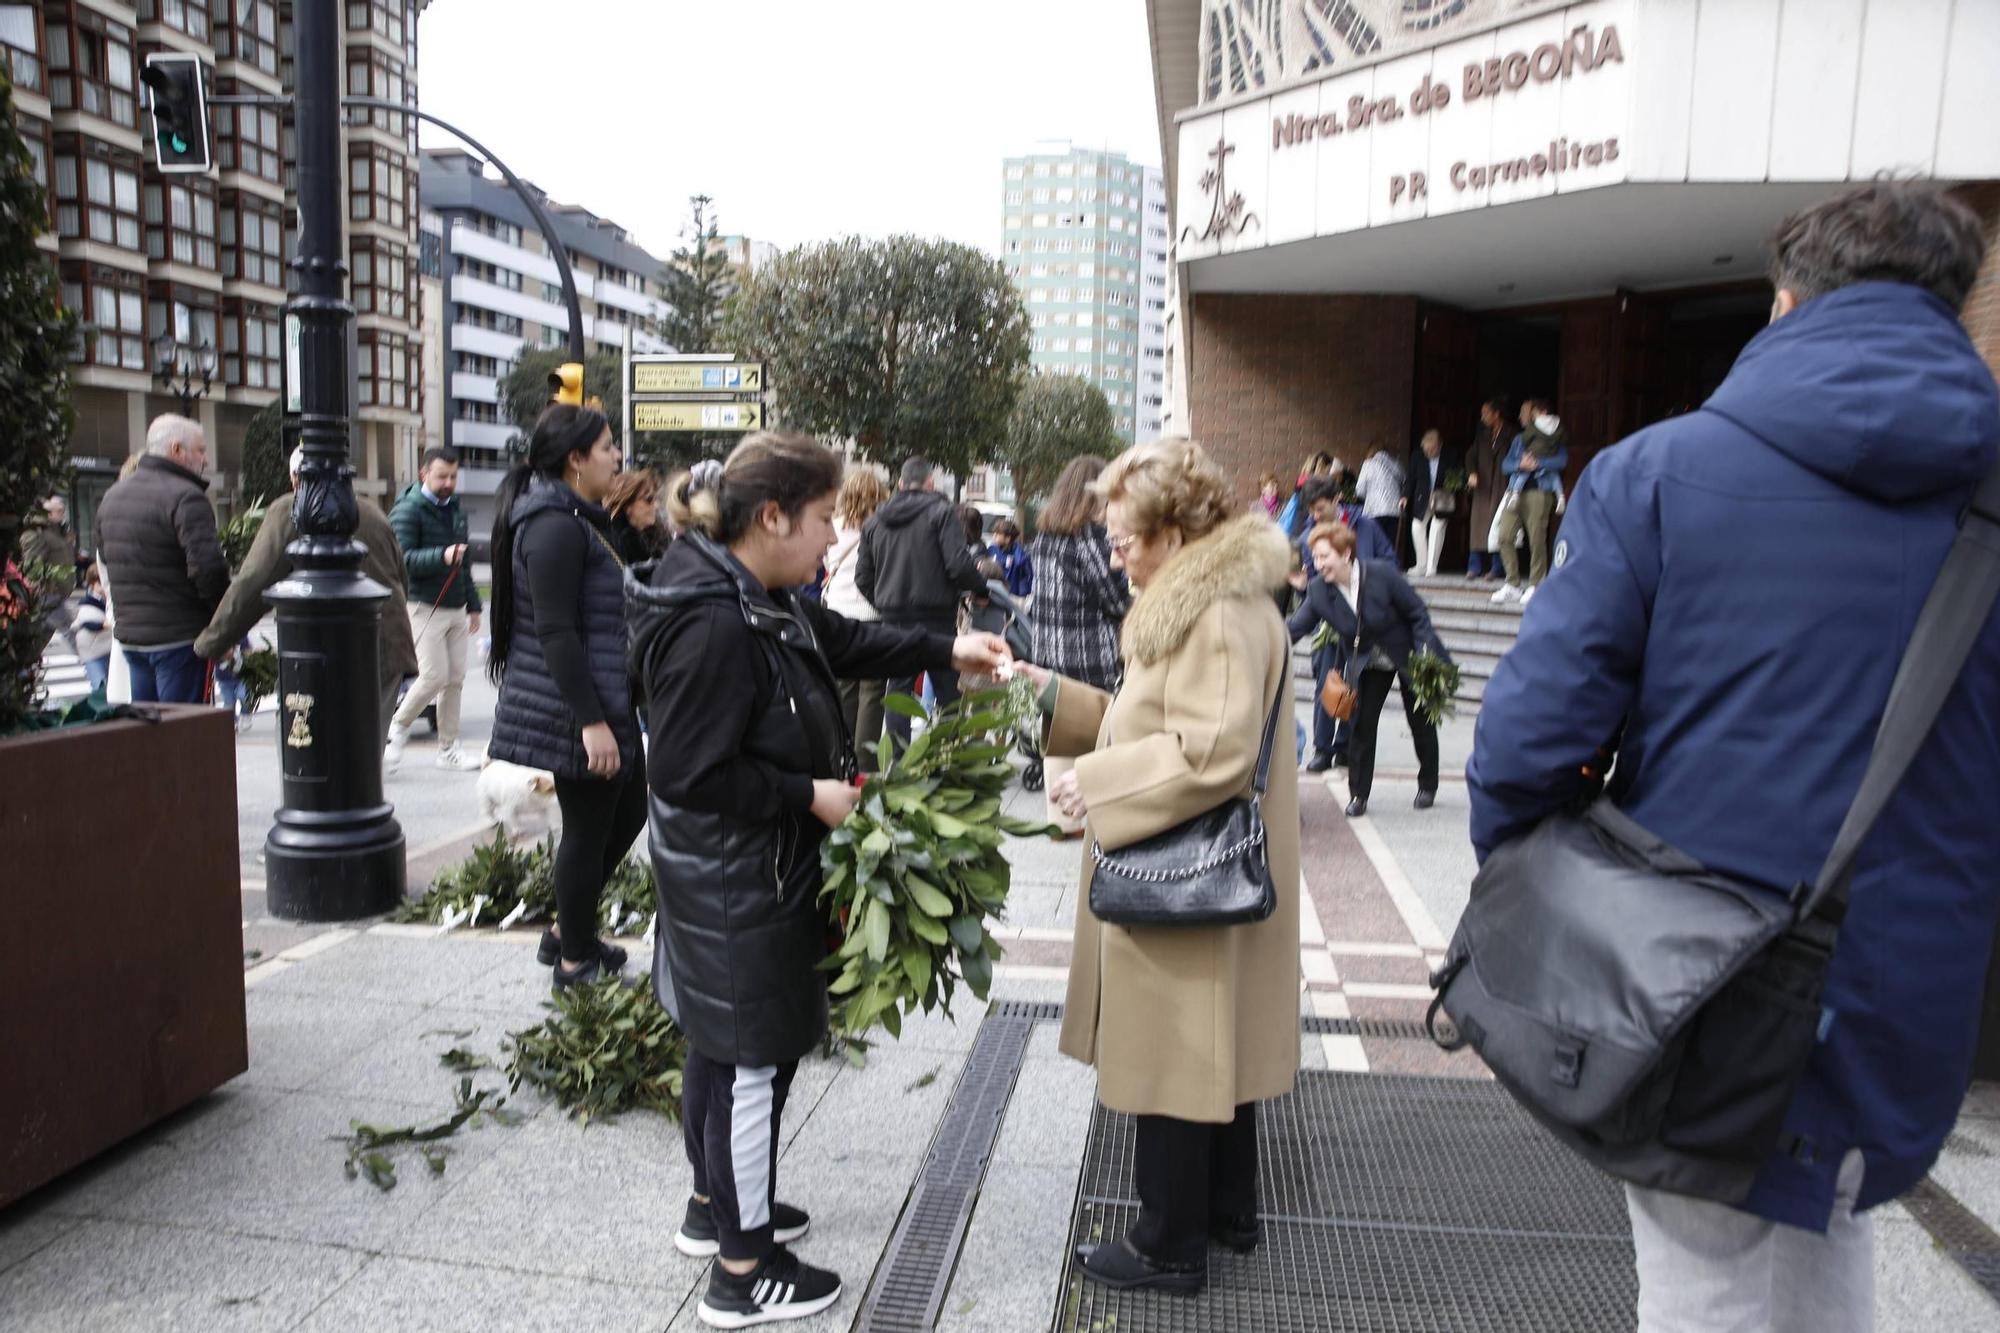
[[1189, 1027]]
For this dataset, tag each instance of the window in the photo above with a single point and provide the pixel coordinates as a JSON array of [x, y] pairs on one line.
[[247, 30], [1041, 168], [487, 225], [372, 74], [385, 370], [470, 364], [252, 235], [471, 410], [109, 302], [181, 221], [500, 277], [188, 16], [246, 137], [188, 314], [1014, 172], [1013, 196], [35, 135], [378, 186], [91, 67], [250, 348], [20, 39], [382, 278], [384, 16], [490, 320], [97, 192]]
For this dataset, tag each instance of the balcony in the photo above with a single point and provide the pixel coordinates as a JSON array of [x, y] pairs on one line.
[[481, 434], [485, 342], [475, 388]]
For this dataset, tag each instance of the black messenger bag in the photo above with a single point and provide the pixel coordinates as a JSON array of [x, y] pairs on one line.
[[1657, 1016]]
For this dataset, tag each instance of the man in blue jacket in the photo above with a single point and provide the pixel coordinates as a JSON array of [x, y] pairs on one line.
[[1730, 598]]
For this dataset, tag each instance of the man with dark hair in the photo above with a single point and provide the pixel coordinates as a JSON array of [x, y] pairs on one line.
[[1533, 468], [1730, 600], [1486, 487], [1017, 567], [913, 565], [431, 527]]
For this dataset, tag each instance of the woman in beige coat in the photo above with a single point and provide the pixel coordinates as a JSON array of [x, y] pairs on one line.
[[1189, 1027]]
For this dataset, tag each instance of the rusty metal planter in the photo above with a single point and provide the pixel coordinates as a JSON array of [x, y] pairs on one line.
[[122, 998]]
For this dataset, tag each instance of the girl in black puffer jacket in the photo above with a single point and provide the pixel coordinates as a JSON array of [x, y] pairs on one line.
[[751, 765], [559, 659]]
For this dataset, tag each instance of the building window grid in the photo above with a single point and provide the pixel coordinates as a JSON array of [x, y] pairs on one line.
[[383, 279], [385, 370], [21, 41], [370, 73], [387, 17], [181, 224], [252, 237], [97, 192], [379, 187], [91, 65], [35, 137], [188, 16], [110, 302], [247, 30], [247, 139], [250, 346]]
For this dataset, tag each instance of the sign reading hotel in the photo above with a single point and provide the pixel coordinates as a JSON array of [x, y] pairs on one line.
[[1531, 108]]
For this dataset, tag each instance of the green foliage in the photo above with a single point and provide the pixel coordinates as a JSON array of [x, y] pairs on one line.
[[491, 884], [1056, 418], [911, 876], [628, 902], [27, 598], [370, 1147], [696, 283], [524, 390], [240, 533], [259, 674], [605, 1048], [1436, 683], [910, 347], [266, 469], [36, 416], [1453, 481]]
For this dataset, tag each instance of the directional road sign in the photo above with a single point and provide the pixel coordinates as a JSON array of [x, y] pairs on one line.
[[697, 377], [697, 416]]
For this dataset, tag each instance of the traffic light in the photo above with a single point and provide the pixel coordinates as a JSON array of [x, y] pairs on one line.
[[180, 112], [566, 384]]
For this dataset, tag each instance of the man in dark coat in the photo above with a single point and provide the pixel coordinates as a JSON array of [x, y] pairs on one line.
[[913, 567], [1732, 593], [270, 560], [430, 526], [1486, 486], [157, 541]]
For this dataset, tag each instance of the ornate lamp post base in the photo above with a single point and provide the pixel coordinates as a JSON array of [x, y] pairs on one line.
[[335, 851]]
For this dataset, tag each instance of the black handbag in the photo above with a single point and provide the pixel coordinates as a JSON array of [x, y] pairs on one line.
[[1658, 1016], [1212, 870]]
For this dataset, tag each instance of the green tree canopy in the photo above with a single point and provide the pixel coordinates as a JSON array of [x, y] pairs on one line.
[[524, 390], [267, 472], [1055, 418], [696, 283], [912, 348]]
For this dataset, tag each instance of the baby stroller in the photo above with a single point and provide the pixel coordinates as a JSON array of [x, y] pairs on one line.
[[1003, 614]]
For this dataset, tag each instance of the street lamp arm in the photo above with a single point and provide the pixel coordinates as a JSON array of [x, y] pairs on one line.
[[528, 197]]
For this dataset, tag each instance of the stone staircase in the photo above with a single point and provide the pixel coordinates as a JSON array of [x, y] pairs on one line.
[[1476, 631]]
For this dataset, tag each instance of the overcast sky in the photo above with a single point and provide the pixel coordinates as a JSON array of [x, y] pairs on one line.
[[804, 119]]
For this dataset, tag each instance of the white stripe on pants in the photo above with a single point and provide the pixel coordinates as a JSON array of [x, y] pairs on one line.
[[441, 642], [1709, 1268]]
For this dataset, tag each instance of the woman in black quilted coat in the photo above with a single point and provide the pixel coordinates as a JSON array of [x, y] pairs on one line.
[[559, 658]]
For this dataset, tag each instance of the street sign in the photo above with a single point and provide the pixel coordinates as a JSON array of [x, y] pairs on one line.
[[697, 377], [697, 416]]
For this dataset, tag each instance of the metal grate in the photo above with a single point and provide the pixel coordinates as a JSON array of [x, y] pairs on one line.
[[910, 1282], [1389, 1028], [1970, 1243], [1389, 1202], [1035, 1011]]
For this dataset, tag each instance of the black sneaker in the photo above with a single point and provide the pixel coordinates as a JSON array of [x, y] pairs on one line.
[[779, 1288], [588, 971], [1320, 762], [549, 952], [698, 1237]]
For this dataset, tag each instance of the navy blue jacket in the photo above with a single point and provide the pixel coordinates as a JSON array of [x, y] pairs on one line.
[[1393, 617], [1735, 587], [1370, 542]]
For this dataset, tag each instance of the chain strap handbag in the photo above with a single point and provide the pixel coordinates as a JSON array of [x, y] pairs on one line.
[[1212, 870]]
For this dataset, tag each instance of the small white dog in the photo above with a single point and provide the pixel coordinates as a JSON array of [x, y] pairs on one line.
[[520, 800]]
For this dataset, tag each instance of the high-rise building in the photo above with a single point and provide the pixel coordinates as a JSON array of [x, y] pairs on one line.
[[1084, 237], [500, 293], [193, 266]]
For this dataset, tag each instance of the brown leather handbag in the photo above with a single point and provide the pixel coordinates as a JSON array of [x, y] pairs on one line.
[[1337, 694]]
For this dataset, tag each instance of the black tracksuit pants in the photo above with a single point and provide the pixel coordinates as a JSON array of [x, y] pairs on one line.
[[1374, 692], [1191, 1176], [729, 1124], [601, 820]]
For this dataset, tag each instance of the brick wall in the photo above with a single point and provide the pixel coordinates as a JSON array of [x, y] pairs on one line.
[[1276, 377], [1982, 308]]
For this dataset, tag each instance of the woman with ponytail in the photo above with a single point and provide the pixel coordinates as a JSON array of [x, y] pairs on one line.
[[559, 659], [752, 763]]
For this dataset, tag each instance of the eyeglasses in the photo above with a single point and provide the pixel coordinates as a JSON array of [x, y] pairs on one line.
[[1120, 545]]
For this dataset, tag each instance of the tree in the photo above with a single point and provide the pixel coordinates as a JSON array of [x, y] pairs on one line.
[[912, 348], [524, 390], [696, 284], [267, 472], [36, 415], [1055, 418]]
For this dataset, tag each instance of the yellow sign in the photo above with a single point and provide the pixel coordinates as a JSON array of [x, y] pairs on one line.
[[698, 377], [697, 416]]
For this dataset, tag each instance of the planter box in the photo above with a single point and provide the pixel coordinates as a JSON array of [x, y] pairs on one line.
[[122, 998]]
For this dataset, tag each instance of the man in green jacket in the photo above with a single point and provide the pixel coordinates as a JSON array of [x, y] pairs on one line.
[[430, 526], [269, 561]]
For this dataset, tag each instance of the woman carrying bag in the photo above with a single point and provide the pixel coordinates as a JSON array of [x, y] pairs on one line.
[[1393, 623], [752, 764], [559, 658], [1188, 1025]]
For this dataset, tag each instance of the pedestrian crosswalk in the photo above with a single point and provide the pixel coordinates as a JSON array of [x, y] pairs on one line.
[[63, 675]]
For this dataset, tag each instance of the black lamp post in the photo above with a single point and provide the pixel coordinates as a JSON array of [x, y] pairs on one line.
[[175, 366], [335, 851]]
